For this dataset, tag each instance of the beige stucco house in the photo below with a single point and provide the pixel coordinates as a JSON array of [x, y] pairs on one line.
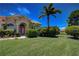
[[19, 23]]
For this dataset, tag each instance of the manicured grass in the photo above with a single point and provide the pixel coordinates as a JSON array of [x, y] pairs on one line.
[[40, 46]]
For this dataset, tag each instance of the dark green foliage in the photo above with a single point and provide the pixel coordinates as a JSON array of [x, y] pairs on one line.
[[4, 26], [32, 33], [73, 31], [6, 33], [74, 18], [17, 35], [53, 31]]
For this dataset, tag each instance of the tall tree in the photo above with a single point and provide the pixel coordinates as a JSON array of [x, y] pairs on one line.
[[73, 18], [49, 10]]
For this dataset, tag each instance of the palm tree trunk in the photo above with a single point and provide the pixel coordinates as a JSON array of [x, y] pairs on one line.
[[48, 20]]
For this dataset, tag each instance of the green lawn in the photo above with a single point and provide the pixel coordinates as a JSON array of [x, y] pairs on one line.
[[40, 46]]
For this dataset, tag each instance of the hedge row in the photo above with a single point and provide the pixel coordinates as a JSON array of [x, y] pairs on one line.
[[32, 33], [53, 31], [8, 33], [43, 32], [73, 31]]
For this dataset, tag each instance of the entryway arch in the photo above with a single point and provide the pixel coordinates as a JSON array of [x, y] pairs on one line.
[[22, 27]]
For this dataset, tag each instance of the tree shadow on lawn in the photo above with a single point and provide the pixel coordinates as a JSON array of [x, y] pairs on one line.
[[45, 36], [52, 36], [74, 38]]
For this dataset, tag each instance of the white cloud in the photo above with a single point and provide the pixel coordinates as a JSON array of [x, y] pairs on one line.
[[12, 14], [26, 10], [23, 11], [19, 9]]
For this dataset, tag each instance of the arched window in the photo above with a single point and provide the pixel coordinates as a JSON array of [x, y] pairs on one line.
[[11, 26]]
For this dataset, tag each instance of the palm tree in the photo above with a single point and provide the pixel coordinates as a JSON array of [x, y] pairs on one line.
[[49, 10]]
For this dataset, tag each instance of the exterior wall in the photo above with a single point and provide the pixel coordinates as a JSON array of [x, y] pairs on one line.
[[2, 21], [16, 21], [11, 20]]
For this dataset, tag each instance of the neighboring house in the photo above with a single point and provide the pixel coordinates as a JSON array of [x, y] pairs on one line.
[[19, 23]]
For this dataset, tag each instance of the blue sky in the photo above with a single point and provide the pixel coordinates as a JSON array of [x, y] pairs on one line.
[[32, 10]]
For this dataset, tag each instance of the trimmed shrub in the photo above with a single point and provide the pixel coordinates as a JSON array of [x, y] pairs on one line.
[[53, 31], [17, 35], [7, 33], [1, 33], [73, 31], [32, 33]]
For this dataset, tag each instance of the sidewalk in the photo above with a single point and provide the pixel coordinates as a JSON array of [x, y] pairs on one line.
[[22, 37]]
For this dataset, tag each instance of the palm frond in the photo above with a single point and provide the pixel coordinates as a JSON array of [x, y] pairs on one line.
[[41, 16], [52, 12], [50, 6], [45, 8], [58, 11]]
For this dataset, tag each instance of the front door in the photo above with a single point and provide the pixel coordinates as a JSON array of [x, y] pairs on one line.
[[22, 29]]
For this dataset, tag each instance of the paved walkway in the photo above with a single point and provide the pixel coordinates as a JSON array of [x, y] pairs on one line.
[[22, 37]]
